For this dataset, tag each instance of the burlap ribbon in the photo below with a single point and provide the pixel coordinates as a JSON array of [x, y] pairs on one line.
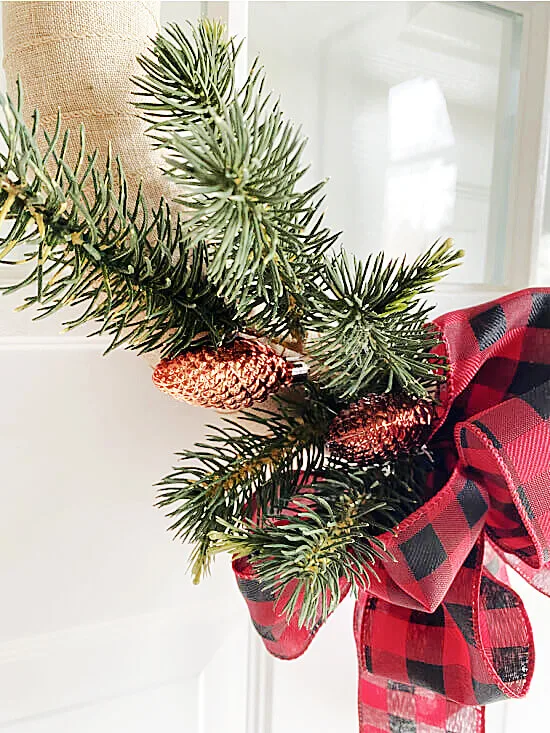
[[440, 633], [79, 57]]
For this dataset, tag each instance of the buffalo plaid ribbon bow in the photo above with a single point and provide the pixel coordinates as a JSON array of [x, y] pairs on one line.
[[440, 634]]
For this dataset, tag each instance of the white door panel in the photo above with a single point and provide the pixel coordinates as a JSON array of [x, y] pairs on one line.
[[318, 692], [97, 604]]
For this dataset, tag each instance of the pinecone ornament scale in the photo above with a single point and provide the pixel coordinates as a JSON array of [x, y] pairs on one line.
[[231, 377], [379, 427]]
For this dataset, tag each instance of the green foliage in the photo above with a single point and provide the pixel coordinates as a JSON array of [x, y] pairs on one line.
[[370, 332], [327, 534], [239, 472], [237, 161], [187, 76], [129, 269]]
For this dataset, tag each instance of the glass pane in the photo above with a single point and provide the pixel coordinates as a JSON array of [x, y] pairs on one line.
[[180, 11], [410, 109]]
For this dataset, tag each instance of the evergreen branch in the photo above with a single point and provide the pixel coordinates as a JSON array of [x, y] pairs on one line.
[[370, 325], [132, 270], [240, 473], [243, 202], [327, 533], [249, 253], [187, 76], [237, 162]]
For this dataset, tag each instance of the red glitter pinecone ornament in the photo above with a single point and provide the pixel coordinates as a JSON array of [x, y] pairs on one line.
[[380, 427], [231, 377]]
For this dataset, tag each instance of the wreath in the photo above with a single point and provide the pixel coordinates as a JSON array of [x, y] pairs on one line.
[[398, 459]]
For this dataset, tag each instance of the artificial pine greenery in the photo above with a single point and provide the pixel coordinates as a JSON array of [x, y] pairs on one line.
[[326, 533], [369, 328], [249, 254], [129, 269], [241, 473], [238, 163]]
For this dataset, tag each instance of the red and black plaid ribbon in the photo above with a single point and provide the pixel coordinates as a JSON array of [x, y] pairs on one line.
[[440, 633]]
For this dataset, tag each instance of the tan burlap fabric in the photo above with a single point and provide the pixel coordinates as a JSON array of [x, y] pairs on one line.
[[79, 57]]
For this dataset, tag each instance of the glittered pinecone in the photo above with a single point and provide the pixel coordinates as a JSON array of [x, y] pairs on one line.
[[230, 377], [380, 427]]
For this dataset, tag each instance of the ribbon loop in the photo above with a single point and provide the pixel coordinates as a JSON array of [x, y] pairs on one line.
[[506, 449], [476, 648], [431, 546]]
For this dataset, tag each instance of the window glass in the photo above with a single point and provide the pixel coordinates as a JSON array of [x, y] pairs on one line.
[[410, 109]]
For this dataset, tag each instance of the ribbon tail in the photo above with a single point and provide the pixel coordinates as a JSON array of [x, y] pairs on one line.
[[282, 637], [437, 669], [393, 707], [387, 706]]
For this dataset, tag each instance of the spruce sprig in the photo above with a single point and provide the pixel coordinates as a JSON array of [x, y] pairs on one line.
[[243, 469], [129, 269], [327, 534], [238, 164], [188, 76], [369, 330]]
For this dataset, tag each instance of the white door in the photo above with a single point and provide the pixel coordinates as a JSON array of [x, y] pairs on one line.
[[101, 629], [431, 120]]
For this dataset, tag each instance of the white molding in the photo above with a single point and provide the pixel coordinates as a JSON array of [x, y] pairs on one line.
[[47, 343], [259, 696], [528, 179], [53, 672], [517, 6]]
